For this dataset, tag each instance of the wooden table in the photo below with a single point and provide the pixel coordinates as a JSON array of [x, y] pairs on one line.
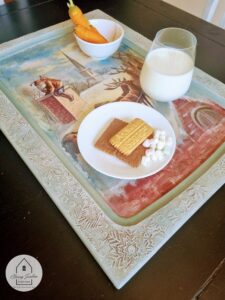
[[190, 265]]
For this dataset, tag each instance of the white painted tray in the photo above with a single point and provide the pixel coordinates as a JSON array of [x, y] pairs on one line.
[[120, 250]]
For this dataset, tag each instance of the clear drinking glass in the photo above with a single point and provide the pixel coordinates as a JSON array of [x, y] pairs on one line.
[[168, 68]]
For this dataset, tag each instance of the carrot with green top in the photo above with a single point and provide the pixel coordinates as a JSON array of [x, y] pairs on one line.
[[76, 15], [83, 28], [90, 35]]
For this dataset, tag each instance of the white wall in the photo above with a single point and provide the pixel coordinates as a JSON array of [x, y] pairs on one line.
[[219, 16], [213, 9], [192, 6]]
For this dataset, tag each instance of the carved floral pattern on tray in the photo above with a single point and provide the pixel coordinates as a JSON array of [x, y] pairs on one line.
[[120, 250]]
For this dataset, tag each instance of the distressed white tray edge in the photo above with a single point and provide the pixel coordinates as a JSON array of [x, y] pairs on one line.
[[108, 242]]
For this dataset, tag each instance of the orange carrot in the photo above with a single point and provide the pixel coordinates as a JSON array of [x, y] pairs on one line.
[[83, 28], [76, 15], [89, 35]]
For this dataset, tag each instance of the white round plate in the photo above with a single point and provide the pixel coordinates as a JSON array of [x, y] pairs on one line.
[[97, 121]]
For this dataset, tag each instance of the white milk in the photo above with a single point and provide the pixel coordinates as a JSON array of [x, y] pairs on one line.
[[166, 74]]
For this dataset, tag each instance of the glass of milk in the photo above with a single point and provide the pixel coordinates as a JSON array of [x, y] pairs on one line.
[[168, 68]]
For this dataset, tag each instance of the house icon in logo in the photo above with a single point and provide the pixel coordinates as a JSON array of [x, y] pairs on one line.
[[22, 269]]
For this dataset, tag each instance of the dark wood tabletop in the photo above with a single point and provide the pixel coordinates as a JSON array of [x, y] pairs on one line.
[[191, 265]]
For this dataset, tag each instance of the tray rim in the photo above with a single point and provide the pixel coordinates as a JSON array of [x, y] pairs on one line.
[[142, 240]]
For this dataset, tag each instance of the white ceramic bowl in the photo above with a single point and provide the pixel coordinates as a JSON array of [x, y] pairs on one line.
[[111, 30]]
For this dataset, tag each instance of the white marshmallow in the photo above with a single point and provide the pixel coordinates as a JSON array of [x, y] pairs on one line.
[[160, 145], [157, 148], [162, 138], [149, 152], [157, 134], [153, 145], [148, 142], [154, 157], [156, 140], [160, 155], [145, 161]]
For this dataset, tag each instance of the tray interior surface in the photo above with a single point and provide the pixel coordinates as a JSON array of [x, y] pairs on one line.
[[87, 84]]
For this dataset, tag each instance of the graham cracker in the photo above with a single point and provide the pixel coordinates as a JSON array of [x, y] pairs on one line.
[[103, 144], [131, 136]]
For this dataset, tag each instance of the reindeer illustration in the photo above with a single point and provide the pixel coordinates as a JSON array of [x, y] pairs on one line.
[[130, 91], [131, 65]]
